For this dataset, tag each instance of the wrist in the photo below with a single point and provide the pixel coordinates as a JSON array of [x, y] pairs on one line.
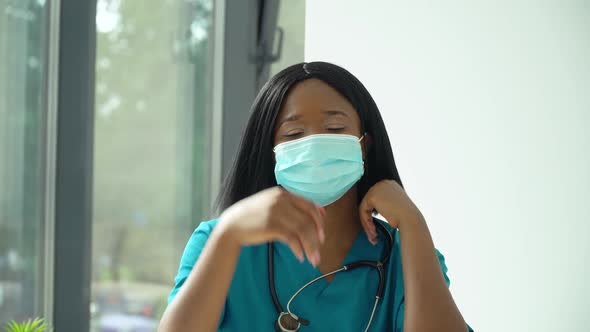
[[411, 220], [399, 214], [227, 234]]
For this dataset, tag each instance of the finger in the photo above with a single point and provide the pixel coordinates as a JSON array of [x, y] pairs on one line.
[[308, 236], [366, 216], [299, 223], [292, 240], [316, 213]]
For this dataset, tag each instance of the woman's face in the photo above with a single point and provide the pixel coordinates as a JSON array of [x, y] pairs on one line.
[[313, 107]]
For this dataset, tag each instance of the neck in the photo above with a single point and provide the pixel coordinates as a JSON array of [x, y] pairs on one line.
[[342, 228]]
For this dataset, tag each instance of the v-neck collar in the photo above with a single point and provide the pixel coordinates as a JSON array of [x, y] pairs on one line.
[[361, 249]]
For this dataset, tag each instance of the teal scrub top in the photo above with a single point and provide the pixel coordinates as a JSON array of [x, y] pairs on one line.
[[344, 304]]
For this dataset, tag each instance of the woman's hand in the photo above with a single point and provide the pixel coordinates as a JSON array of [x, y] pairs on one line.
[[275, 214], [390, 200]]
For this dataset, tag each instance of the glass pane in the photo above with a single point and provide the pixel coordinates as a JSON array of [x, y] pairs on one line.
[[292, 20], [22, 64], [153, 70]]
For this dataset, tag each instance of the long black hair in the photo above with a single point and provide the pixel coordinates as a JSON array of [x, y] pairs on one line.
[[253, 168]]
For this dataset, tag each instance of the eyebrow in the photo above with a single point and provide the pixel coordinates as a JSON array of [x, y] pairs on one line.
[[335, 112], [294, 117]]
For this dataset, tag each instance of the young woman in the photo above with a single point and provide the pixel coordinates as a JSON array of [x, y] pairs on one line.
[[296, 246]]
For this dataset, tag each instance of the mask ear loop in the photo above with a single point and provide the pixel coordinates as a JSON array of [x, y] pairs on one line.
[[365, 144]]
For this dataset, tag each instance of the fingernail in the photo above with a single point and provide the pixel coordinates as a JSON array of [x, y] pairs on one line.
[[322, 236], [301, 258]]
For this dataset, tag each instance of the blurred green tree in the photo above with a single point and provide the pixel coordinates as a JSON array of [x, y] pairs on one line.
[[152, 102]]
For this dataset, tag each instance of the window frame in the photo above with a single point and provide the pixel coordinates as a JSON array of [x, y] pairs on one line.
[[70, 89]]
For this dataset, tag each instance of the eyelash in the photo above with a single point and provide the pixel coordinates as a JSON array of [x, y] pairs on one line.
[[292, 135], [299, 133]]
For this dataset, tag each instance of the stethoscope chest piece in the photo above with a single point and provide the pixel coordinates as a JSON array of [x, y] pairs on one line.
[[287, 323]]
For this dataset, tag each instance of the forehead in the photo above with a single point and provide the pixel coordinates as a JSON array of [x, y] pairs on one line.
[[312, 96]]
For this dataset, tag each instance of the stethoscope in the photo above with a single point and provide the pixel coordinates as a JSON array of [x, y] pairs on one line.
[[290, 322]]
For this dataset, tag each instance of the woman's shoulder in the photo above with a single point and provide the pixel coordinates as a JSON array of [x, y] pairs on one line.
[[200, 235], [395, 254], [206, 226]]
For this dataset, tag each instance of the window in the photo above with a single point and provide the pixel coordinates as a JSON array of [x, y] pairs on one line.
[[22, 128], [151, 152], [159, 149], [291, 19]]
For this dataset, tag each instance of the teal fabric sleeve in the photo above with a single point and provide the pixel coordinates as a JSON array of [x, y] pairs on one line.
[[191, 254]]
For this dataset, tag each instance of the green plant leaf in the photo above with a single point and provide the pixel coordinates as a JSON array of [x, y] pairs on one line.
[[36, 325], [12, 326]]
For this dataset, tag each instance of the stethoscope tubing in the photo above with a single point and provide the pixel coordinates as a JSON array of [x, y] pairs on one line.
[[378, 265]]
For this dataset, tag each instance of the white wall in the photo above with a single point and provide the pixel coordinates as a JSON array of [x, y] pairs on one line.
[[487, 105]]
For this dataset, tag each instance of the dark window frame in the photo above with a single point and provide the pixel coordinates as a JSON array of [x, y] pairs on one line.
[[248, 30]]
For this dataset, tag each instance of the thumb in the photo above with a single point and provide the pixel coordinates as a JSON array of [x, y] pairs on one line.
[[366, 216]]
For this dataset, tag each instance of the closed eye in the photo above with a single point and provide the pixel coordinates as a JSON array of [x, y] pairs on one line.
[[336, 128], [293, 133]]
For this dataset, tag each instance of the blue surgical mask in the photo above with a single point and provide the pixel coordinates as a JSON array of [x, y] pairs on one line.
[[320, 168]]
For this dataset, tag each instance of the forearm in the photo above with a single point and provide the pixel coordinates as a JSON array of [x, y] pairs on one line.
[[200, 301], [429, 305]]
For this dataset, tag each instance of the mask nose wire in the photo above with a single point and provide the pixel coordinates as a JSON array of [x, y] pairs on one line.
[[274, 149]]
